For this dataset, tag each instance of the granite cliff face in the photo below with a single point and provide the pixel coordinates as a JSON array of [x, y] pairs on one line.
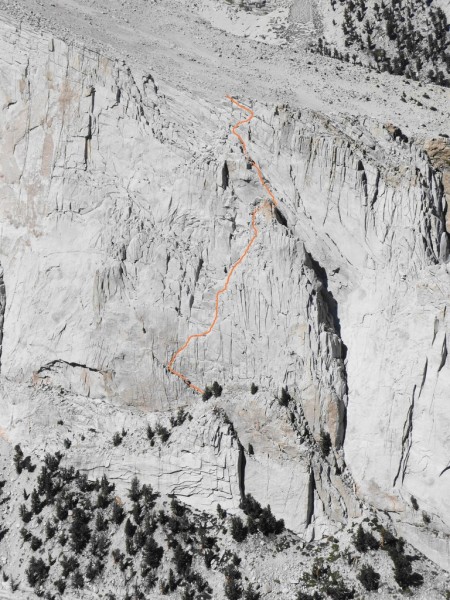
[[124, 203]]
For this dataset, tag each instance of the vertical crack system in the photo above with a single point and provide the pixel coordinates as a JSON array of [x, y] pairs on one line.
[[2, 310]]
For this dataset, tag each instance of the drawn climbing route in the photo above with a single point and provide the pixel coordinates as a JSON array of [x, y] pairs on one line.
[[244, 254]]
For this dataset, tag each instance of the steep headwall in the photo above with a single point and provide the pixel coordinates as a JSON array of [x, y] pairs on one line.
[[126, 202]]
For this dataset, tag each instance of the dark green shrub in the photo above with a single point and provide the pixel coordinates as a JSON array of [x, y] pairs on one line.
[[18, 457], [207, 394], [222, 513], [117, 439], [25, 534], [216, 389], [130, 546], [60, 585], [364, 540], [25, 514], [152, 553], [182, 560], [414, 503], [99, 545], [52, 461], [35, 543], [139, 539], [80, 533], [104, 496], [45, 486], [36, 504], [68, 565], [130, 529], [305, 596], [61, 510], [253, 389], [251, 594], [177, 508], [188, 593], [199, 582], [208, 557], [101, 523], [134, 493], [337, 590], [325, 443], [62, 539], [403, 573], [284, 397], [50, 530], [117, 555], [77, 580], [67, 443], [251, 507], [37, 572], [388, 540], [369, 578], [251, 452], [269, 524], [163, 432], [232, 589], [149, 497], [231, 571], [260, 517], [252, 525], [181, 417], [238, 530], [118, 514], [172, 581], [93, 569], [84, 485], [150, 435], [150, 525], [137, 513]]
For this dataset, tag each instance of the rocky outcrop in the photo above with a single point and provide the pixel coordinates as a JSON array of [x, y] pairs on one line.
[[2, 308], [439, 152], [125, 203]]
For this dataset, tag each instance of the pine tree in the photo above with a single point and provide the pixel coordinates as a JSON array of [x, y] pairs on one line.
[[101, 523], [134, 492], [182, 560], [18, 457], [79, 530], [152, 553], [36, 505], [238, 530], [37, 572], [77, 580], [25, 514], [118, 514], [50, 530], [233, 589]]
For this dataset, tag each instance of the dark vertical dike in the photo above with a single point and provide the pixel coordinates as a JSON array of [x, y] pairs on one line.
[[225, 175], [88, 137], [311, 488], [2, 310], [241, 471]]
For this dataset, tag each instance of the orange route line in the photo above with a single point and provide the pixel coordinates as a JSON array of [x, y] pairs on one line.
[[234, 129]]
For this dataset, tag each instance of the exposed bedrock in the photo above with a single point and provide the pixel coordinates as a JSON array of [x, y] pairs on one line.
[[125, 202]]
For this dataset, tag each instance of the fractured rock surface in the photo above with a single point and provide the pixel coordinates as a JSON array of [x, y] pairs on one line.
[[125, 200]]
